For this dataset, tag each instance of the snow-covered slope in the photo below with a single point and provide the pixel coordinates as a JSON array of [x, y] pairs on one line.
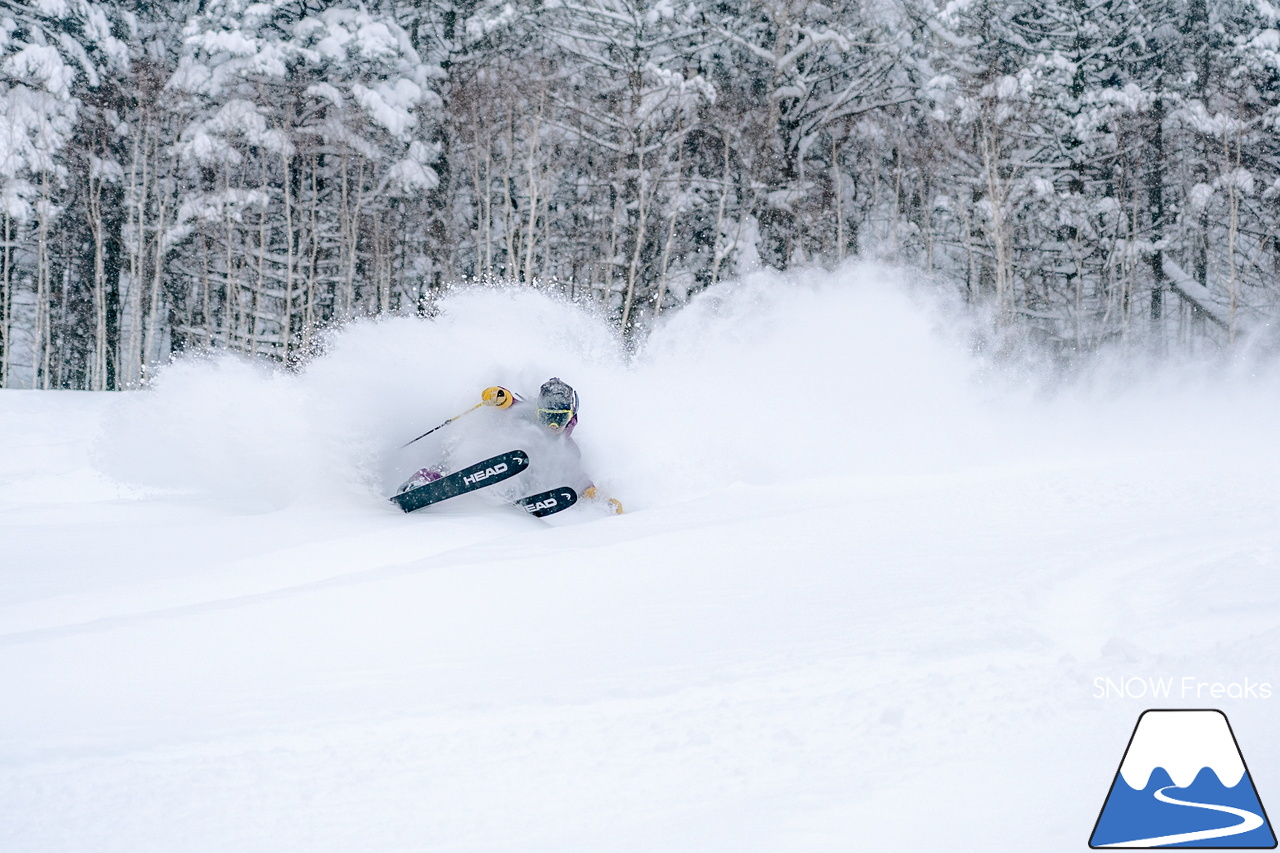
[[859, 599]]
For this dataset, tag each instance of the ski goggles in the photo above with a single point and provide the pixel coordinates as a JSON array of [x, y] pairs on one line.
[[556, 419]]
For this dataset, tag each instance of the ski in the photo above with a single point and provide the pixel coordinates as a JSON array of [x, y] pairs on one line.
[[486, 473], [548, 502]]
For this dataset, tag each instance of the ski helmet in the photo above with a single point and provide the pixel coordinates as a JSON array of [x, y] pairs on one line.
[[557, 404]]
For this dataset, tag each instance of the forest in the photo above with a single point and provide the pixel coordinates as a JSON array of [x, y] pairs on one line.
[[243, 176]]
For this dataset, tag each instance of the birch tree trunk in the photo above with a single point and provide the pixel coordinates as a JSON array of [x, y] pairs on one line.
[[998, 228], [1233, 226], [98, 358], [308, 315], [131, 345], [40, 342], [1155, 202], [285, 331], [152, 332], [634, 267], [534, 187], [348, 285], [671, 230], [717, 254], [6, 302], [206, 285]]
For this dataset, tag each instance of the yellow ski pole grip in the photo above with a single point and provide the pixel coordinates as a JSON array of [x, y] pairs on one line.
[[497, 396]]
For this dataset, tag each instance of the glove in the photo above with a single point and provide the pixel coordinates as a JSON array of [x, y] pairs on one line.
[[497, 396], [591, 493]]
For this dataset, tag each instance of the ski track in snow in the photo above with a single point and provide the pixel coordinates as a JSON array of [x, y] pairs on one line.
[[862, 619]]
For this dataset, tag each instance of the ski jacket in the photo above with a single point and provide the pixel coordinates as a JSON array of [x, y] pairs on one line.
[[526, 410]]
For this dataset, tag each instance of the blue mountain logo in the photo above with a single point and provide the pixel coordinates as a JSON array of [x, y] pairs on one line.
[[1183, 783]]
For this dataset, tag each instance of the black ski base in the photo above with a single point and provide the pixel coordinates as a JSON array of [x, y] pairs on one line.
[[486, 473], [548, 502]]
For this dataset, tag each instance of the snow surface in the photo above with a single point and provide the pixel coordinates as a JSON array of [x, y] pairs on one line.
[[859, 600]]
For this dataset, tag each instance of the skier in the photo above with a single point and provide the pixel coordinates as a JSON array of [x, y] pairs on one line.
[[555, 412]]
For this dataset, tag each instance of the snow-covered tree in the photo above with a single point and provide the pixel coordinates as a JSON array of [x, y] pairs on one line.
[[53, 55], [303, 153], [226, 173]]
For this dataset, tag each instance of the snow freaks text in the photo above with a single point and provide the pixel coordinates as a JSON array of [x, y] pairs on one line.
[[1185, 687]]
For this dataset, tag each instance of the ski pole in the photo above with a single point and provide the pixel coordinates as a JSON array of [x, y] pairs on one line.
[[442, 426]]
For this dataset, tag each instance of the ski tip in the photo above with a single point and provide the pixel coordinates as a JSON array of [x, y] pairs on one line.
[[548, 502]]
